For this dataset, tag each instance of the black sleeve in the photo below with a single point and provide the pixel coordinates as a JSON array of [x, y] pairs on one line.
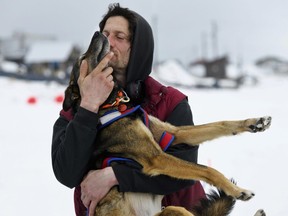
[[72, 146], [130, 177]]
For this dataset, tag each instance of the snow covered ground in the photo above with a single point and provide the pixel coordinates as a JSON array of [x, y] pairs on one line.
[[256, 161]]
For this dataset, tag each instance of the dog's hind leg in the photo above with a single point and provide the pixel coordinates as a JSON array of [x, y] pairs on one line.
[[168, 165], [195, 135]]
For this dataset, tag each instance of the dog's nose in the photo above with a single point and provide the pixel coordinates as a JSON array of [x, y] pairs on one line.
[[96, 34]]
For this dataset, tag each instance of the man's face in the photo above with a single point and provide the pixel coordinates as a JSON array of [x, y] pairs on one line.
[[117, 32]]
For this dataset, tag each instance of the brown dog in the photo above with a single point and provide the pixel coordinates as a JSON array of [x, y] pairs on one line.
[[128, 137]]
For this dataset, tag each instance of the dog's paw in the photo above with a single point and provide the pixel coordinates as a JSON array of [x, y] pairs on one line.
[[261, 124], [245, 195], [260, 212]]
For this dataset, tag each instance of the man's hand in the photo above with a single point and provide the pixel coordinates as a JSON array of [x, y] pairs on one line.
[[96, 86], [95, 186]]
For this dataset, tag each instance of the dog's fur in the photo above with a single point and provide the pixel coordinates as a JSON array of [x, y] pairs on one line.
[[128, 137]]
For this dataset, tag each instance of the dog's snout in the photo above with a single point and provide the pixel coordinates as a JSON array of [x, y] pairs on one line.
[[96, 34]]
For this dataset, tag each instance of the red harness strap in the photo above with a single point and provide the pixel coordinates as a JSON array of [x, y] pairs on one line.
[[166, 140]]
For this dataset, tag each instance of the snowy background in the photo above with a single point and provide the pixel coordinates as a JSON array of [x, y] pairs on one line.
[[246, 30], [257, 161]]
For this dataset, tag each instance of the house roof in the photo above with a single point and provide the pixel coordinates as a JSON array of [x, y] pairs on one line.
[[48, 51]]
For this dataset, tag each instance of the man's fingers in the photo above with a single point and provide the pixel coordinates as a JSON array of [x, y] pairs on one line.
[[107, 72], [83, 70], [92, 208], [104, 62], [101, 67], [86, 202], [110, 78]]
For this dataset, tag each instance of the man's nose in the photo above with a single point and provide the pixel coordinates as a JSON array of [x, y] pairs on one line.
[[111, 40]]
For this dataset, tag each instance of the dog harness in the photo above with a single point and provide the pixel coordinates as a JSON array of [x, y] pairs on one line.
[[114, 115]]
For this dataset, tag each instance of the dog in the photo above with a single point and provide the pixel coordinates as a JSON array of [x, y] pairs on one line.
[[128, 137]]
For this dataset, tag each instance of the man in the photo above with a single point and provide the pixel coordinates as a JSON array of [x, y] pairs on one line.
[[130, 63]]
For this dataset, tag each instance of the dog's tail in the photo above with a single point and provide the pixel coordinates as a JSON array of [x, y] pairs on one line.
[[216, 204]]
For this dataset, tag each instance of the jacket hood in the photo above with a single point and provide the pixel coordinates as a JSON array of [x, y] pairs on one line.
[[141, 55]]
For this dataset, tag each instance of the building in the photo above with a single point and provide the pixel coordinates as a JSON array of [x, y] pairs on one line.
[[51, 58], [43, 57]]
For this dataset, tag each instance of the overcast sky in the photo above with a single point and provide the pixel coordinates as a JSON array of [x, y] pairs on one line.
[[246, 29]]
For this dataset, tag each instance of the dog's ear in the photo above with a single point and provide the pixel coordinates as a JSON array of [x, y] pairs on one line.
[[67, 103], [72, 92]]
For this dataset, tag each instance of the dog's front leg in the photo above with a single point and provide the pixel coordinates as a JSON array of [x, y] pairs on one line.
[[195, 135]]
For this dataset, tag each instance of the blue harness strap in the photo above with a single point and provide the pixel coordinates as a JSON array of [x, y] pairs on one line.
[[145, 117], [107, 162]]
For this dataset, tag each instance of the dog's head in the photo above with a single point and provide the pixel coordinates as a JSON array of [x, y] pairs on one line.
[[98, 48]]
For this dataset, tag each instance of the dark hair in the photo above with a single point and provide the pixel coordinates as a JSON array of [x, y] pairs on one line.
[[116, 10]]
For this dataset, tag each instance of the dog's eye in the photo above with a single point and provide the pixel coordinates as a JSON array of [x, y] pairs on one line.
[[74, 97]]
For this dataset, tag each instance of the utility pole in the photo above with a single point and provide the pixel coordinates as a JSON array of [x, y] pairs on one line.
[[204, 45], [155, 33], [214, 37]]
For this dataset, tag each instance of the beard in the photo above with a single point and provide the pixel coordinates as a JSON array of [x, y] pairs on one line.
[[118, 64], [120, 60]]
